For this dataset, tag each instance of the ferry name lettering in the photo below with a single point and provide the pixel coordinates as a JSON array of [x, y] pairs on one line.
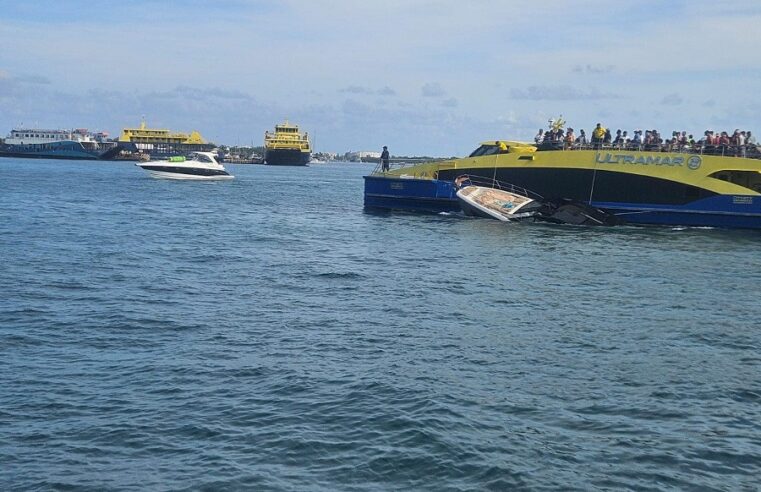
[[609, 158]]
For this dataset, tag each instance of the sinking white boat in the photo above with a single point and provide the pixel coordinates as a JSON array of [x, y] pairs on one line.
[[501, 204], [486, 197], [198, 166]]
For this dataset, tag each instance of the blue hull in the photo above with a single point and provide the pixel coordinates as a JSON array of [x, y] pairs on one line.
[[730, 211], [63, 150], [51, 154], [421, 195], [726, 211]]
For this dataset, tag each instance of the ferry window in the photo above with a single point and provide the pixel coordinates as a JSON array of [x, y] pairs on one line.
[[477, 152], [485, 150]]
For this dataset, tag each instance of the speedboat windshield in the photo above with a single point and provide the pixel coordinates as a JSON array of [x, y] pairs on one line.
[[203, 158]]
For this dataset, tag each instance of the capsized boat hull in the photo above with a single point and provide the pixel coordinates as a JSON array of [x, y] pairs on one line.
[[576, 213], [495, 203]]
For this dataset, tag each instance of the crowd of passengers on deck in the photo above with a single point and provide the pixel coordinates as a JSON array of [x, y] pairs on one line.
[[739, 144]]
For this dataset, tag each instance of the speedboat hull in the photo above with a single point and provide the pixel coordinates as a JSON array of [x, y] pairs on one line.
[[163, 172]]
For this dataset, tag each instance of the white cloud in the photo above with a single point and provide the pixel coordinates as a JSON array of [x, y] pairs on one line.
[[561, 93]]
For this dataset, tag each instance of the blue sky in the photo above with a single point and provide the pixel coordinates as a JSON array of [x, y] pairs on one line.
[[423, 77]]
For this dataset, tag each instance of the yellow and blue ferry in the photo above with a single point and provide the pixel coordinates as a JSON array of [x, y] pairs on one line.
[[287, 146], [688, 187]]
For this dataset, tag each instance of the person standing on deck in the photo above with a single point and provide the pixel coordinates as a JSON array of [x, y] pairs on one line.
[[598, 134], [384, 159]]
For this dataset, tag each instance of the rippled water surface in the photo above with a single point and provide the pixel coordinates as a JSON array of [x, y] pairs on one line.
[[268, 334]]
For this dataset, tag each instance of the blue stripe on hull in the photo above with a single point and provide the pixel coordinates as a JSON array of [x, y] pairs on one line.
[[691, 219], [736, 211], [72, 155], [58, 150]]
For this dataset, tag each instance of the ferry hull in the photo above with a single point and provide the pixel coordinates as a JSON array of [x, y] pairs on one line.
[[736, 211], [421, 195], [68, 152], [76, 156], [286, 157], [635, 199], [683, 209]]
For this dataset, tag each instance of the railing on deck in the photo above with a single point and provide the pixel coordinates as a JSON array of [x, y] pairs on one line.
[[399, 164], [749, 151], [484, 181]]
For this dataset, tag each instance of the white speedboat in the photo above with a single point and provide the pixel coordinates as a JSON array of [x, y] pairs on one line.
[[198, 166]]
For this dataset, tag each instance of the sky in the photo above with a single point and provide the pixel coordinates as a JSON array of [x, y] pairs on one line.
[[425, 77]]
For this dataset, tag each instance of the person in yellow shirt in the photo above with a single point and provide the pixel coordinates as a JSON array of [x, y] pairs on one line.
[[598, 134], [502, 147]]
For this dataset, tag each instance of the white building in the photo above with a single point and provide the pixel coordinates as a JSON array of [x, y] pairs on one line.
[[362, 155]]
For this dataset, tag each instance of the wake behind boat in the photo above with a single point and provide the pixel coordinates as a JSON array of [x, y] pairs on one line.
[[199, 166]]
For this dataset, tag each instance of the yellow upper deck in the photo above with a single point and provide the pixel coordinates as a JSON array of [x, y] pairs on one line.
[[720, 174], [143, 134], [287, 136]]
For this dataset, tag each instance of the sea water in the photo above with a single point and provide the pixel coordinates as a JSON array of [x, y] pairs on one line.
[[267, 333]]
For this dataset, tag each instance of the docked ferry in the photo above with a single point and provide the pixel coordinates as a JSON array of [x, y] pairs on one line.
[[687, 187], [35, 143], [287, 146], [160, 143]]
